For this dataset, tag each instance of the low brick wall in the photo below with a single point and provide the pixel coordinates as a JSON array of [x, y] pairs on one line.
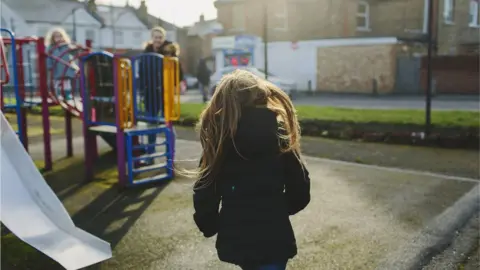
[[353, 69]]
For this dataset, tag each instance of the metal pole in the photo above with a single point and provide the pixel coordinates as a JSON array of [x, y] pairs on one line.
[[113, 27], [265, 38], [428, 101], [74, 25]]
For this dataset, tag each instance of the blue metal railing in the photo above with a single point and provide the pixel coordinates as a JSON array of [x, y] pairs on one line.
[[8, 103]]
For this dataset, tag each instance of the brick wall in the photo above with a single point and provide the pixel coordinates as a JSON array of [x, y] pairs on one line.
[[305, 19], [352, 69], [399, 18], [452, 36]]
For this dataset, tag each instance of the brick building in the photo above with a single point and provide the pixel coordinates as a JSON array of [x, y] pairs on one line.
[[361, 46], [456, 21]]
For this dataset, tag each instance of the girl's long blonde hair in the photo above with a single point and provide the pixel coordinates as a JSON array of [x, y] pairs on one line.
[[218, 121], [49, 37]]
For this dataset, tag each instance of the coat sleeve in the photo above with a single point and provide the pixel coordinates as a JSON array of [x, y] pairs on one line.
[[206, 201], [180, 68], [297, 186], [49, 61]]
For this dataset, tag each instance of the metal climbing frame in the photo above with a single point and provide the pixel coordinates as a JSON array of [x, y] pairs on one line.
[[10, 97], [171, 76], [124, 92], [63, 86], [141, 95], [25, 58]]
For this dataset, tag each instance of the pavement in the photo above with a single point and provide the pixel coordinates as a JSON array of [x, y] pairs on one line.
[[462, 103], [359, 216]]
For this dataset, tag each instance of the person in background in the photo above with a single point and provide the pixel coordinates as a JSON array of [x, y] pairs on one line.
[[60, 61], [173, 50], [251, 165], [203, 77], [151, 76], [158, 41]]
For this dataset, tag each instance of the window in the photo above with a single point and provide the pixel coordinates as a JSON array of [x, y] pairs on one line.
[[238, 17], [278, 16], [69, 32], [90, 34], [363, 16], [42, 31], [118, 37], [3, 23], [137, 35], [474, 10], [449, 11]]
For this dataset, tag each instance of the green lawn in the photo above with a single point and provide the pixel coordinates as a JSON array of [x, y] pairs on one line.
[[439, 118], [417, 117]]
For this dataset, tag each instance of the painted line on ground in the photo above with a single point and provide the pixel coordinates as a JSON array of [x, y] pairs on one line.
[[398, 170], [76, 140]]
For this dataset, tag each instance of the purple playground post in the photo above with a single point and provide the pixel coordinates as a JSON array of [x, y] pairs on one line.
[[45, 111], [172, 141], [68, 133], [87, 138]]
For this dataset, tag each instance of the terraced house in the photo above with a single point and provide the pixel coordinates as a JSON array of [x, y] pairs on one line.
[[456, 21], [387, 36]]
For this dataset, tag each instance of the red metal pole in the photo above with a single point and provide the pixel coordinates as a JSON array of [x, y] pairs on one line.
[[43, 84], [21, 85]]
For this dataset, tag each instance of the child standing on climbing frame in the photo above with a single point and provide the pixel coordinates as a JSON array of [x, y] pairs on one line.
[[251, 162], [60, 62]]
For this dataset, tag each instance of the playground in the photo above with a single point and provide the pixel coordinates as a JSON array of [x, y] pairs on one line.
[[127, 101], [358, 217]]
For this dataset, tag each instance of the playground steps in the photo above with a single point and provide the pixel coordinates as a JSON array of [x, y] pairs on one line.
[[155, 163], [146, 161]]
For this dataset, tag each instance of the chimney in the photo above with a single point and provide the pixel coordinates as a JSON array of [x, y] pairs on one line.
[[92, 6], [143, 9], [202, 18]]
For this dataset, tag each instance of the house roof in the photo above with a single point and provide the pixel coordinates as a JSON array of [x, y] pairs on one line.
[[110, 14], [203, 28], [55, 11], [153, 21], [52, 11]]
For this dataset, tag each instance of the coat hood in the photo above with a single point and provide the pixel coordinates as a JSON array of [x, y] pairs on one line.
[[257, 133]]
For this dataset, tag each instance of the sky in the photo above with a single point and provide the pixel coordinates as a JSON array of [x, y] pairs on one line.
[[179, 12]]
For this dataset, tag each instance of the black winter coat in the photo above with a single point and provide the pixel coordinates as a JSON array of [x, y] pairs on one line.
[[257, 195], [149, 49], [151, 78], [203, 73]]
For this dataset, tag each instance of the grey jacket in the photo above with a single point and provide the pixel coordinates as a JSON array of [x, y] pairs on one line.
[[59, 70]]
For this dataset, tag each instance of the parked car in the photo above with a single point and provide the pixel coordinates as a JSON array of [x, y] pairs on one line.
[[191, 81], [287, 85]]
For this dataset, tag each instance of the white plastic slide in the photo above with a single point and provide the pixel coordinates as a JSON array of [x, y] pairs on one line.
[[32, 211]]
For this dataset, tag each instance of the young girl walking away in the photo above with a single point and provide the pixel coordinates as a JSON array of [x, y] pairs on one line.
[[251, 164], [60, 60]]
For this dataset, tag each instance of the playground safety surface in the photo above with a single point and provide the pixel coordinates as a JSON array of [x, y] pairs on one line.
[[358, 215]]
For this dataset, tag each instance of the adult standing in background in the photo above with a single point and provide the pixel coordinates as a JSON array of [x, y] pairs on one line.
[[203, 77], [151, 77]]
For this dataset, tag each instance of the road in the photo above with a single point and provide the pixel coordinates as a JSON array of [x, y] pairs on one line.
[[462, 103]]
